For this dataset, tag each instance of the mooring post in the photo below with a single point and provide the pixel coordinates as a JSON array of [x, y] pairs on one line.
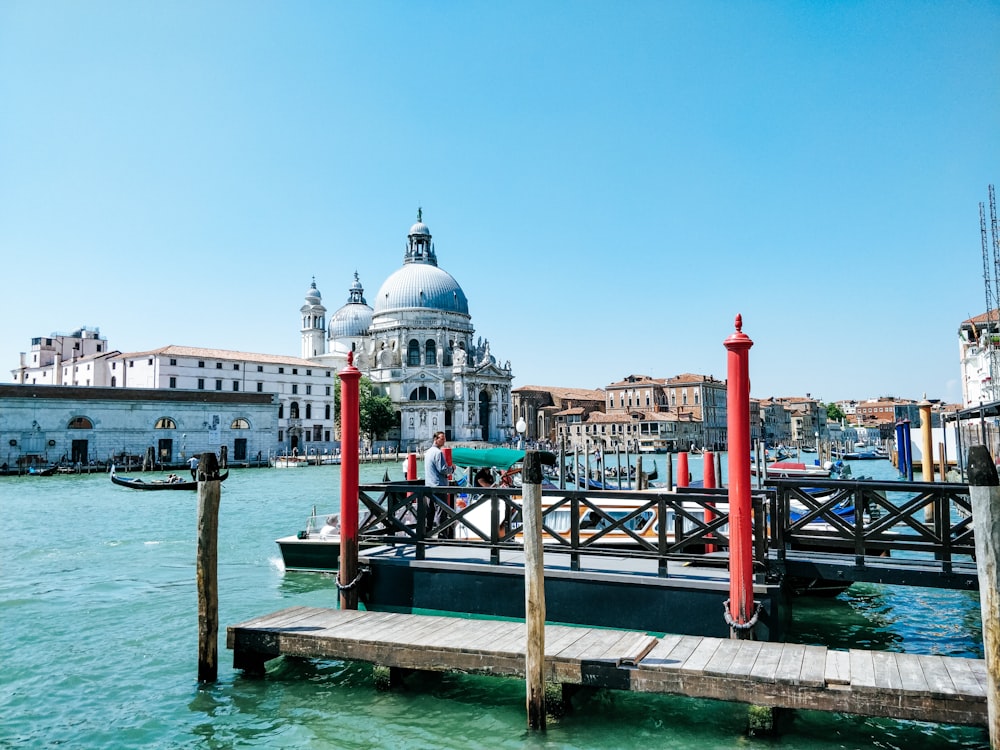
[[207, 568], [534, 590], [908, 449], [985, 495], [683, 476], [708, 482], [670, 471], [927, 453], [741, 614], [350, 425]]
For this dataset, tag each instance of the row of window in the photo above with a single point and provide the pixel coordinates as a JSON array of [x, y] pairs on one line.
[[163, 423], [172, 383], [236, 366]]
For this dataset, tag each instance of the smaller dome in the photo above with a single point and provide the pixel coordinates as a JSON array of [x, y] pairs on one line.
[[352, 320], [420, 228], [313, 297]]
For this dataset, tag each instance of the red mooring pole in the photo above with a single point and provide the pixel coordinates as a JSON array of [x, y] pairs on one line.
[[741, 606], [708, 482], [350, 427], [411, 467], [683, 477]]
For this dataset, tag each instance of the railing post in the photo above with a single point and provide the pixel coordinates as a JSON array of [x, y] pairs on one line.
[[350, 426], [741, 605], [985, 495]]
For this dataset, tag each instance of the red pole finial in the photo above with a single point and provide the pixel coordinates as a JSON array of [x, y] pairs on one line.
[[741, 605], [350, 429]]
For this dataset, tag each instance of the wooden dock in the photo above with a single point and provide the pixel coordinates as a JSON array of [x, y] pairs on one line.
[[947, 690]]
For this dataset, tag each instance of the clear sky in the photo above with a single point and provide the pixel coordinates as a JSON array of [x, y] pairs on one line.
[[610, 183]]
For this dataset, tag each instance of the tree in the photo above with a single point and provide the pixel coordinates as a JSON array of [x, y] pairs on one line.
[[833, 413], [377, 416]]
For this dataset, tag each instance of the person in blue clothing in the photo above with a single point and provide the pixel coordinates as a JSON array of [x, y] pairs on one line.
[[437, 472]]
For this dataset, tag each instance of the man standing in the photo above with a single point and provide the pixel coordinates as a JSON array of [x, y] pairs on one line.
[[436, 472], [193, 463]]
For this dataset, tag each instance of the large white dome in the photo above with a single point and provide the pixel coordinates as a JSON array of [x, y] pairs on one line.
[[421, 285]]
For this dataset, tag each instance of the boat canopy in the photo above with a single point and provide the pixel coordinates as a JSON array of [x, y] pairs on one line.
[[495, 458]]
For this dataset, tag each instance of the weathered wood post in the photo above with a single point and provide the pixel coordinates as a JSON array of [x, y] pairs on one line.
[[927, 453], [741, 614], [207, 567], [985, 495], [640, 480], [350, 425], [942, 462], [670, 472], [534, 590]]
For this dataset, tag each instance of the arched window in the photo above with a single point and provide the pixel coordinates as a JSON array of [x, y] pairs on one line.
[[240, 424], [281, 411], [80, 423], [309, 411], [430, 352], [413, 352], [165, 423], [423, 393], [293, 410], [327, 412]]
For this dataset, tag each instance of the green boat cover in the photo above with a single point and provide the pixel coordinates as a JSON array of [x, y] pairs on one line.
[[498, 458]]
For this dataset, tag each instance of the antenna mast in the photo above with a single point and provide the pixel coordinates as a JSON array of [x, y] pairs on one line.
[[992, 304]]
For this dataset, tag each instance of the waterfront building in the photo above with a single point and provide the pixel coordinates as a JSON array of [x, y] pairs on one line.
[[87, 425], [776, 422], [416, 343], [548, 410], [807, 419], [978, 346]]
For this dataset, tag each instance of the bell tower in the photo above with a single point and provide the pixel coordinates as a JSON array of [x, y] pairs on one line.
[[313, 323]]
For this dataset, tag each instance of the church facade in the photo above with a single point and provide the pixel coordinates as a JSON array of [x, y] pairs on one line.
[[417, 345]]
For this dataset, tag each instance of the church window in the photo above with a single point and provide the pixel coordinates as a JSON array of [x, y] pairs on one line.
[[80, 423], [423, 393], [413, 353], [165, 423], [293, 410], [240, 424], [430, 355]]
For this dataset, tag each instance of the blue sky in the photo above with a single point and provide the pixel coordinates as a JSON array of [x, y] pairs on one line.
[[610, 183]]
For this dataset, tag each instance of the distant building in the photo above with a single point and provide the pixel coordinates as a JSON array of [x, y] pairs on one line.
[[978, 347], [548, 410]]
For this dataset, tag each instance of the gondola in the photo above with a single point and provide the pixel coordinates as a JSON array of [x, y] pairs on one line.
[[157, 484]]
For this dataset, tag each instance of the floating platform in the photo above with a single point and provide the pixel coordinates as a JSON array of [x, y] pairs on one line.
[[948, 690]]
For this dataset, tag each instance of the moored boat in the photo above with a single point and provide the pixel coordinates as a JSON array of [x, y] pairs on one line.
[[137, 483]]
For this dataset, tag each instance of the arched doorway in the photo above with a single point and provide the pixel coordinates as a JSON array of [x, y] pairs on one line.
[[484, 414]]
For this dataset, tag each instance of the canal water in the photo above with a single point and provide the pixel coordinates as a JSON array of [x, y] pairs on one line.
[[98, 620]]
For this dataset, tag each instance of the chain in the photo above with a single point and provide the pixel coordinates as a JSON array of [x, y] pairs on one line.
[[748, 625]]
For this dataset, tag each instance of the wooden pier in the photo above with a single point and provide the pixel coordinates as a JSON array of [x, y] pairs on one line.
[[948, 690]]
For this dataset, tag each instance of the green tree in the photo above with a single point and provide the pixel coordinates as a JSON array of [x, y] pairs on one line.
[[833, 413], [377, 415]]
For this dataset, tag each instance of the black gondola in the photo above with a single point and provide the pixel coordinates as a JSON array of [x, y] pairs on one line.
[[158, 484]]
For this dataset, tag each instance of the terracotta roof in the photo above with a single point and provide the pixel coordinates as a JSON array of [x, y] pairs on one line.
[[986, 317], [585, 394]]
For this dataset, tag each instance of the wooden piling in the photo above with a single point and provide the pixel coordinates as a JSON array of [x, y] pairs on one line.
[[534, 590], [206, 571], [984, 491]]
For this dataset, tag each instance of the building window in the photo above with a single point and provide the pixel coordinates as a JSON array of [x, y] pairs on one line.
[[236, 385], [281, 370], [80, 423], [281, 414], [293, 410], [173, 382], [201, 384], [131, 363], [173, 363], [260, 368], [236, 365], [218, 385], [218, 365], [149, 361], [309, 372], [240, 424], [295, 388], [281, 435], [260, 387], [430, 352], [413, 353], [327, 413], [165, 423], [317, 433], [309, 411], [423, 393], [295, 371], [328, 390], [201, 363], [309, 390], [114, 382]]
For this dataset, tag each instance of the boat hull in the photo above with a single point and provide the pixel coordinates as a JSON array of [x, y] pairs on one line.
[[310, 553]]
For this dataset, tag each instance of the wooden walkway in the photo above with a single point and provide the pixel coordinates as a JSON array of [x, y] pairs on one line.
[[946, 690]]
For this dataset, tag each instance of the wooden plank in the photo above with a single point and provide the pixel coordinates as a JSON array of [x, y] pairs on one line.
[[966, 684], [680, 652], [723, 657], [886, 672], [744, 660], [813, 667], [696, 662], [911, 676], [939, 681], [558, 637], [790, 663], [766, 664], [862, 670], [838, 667]]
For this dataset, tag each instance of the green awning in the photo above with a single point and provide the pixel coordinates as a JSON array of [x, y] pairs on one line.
[[496, 458]]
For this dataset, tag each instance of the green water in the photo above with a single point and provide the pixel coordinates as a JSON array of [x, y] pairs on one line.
[[98, 620]]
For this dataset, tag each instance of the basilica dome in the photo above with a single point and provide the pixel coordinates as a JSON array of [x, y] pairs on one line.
[[420, 284], [354, 318]]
